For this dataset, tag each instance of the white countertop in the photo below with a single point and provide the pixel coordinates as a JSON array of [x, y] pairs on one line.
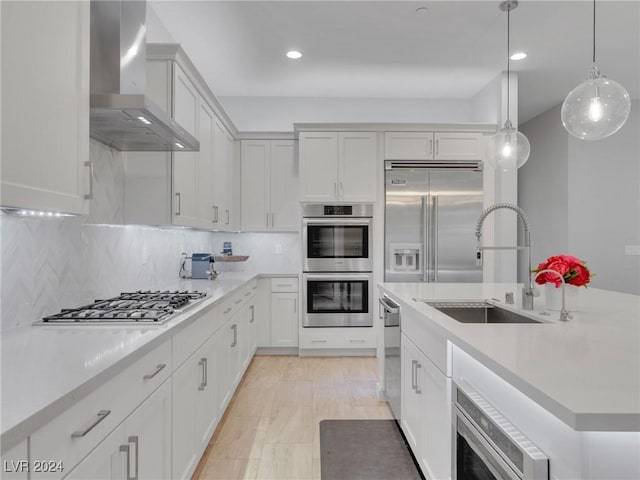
[[46, 369], [586, 371]]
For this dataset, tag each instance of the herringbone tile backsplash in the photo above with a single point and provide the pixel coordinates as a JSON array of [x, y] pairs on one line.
[[50, 264]]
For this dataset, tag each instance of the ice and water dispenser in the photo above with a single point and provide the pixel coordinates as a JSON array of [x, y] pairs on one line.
[[405, 258]]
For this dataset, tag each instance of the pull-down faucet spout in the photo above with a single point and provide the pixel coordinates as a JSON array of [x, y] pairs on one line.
[[527, 291]]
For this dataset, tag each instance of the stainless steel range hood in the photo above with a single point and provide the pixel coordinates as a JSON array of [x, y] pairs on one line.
[[122, 116]]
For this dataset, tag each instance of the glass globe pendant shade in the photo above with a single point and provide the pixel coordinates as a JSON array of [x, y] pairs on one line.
[[508, 149], [596, 108]]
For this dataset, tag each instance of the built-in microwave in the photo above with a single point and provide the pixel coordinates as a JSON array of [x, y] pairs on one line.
[[337, 238], [488, 446]]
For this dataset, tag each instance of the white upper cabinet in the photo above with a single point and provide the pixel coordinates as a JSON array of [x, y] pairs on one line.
[[222, 177], [269, 186], [45, 106], [192, 189], [357, 155], [338, 166], [433, 146], [185, 164]]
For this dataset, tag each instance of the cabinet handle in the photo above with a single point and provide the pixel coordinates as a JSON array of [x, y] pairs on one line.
[[430, 148], [253, 313], [413, 374], [318, 341], [273, 220], [356, 341], [266, 222], [133, 439], [127, 451], [228, 217], [418, 391], [159, 367], [341, 190], [238, 301], [227, 310], [89, 196], [205, 373], [295, 305], [437, 147], [102, 414], [178, 208], [234, 327], [335, 189], [215, 209]]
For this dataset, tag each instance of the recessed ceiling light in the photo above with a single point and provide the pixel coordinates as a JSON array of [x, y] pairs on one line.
[[518, 56], [294, 54]]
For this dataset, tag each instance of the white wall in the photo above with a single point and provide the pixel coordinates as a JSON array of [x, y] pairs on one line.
[[278, 114], [583, 198], [542, 186]]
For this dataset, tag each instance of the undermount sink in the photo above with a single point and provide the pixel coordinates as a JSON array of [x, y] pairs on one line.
[[478, 312]]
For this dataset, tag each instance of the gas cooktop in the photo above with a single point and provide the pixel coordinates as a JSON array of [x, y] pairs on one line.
[[151, 308]]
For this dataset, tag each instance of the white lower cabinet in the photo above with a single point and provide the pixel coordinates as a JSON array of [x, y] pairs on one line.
[[195, 407], [284, 319], [426, 411], [139, 448], [284, 312]]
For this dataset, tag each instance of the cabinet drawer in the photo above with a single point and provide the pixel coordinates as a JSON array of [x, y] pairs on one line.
[[284, 285], [354, 337], [190, 338], [73, 434], [427, 338], [237, 299]]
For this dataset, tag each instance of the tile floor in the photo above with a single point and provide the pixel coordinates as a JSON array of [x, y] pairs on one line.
[[270, 430]]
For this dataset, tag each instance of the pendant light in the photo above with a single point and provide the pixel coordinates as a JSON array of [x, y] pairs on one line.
[[598, 107], [508, 148]]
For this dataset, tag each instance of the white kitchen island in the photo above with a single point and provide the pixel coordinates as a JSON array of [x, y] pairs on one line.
[[572, 388]]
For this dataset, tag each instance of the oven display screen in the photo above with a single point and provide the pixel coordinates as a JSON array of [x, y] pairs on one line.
[[334, 210]]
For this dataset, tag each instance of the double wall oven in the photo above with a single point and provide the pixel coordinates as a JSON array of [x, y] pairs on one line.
[[337, 242]]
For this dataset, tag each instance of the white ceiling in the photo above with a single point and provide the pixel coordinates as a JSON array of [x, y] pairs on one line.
[[386, 49]]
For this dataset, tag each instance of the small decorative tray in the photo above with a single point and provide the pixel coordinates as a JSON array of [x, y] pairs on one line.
[[231, 258]]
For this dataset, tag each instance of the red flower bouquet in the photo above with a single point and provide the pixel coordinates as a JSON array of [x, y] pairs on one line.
[[573, 270]]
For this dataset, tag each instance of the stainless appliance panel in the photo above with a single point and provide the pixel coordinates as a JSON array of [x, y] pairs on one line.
[[456, 206], [337, 299], [430, 216], [390, 313], [337, 244]]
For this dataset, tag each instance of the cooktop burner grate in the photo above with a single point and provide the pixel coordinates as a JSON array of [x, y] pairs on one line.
[[150, 307]]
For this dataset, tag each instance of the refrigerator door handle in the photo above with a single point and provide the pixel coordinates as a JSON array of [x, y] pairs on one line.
[[426, 239], [434, 238]]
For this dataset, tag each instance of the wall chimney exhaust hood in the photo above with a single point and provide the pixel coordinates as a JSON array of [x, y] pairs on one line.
[[122, 116]]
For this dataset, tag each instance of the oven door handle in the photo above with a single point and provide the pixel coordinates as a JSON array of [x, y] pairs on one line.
[[338, 277], [356, 222]]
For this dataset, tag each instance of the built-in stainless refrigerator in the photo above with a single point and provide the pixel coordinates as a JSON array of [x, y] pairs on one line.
[[430, 216]]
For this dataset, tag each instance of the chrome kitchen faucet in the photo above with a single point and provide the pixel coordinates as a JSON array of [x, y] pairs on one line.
[[527, 291]]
